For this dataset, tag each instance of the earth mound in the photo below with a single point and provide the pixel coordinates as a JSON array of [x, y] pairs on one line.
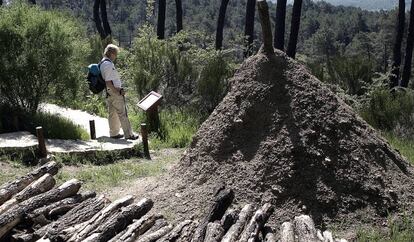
[[281, 136]]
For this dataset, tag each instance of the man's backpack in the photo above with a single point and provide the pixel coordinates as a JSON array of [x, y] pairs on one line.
[[95, 80]]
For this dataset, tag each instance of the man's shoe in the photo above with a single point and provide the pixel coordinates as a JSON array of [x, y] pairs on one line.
[[117, 136], [133, 137]]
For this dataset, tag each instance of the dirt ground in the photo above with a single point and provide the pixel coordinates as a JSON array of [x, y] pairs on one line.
[[281, 136]]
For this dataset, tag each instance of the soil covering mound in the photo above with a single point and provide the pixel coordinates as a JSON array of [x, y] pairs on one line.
[[281, 136]]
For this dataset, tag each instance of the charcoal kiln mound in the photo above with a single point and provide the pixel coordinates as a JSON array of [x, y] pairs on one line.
[[281, 136]]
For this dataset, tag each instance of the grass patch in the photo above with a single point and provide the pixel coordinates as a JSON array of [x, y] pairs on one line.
[[405, 146], [401, 231], [55, 127], [177, 128], [101, 178]]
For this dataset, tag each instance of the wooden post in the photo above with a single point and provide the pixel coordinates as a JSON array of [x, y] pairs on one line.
[[92, 129], [41, 141], [153, 119], [266, 27], [144, 134]]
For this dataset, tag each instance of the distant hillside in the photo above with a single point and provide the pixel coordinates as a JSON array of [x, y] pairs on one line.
[[364, 4]]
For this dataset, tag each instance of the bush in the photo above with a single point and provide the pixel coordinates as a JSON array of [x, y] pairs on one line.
[[42, 56]]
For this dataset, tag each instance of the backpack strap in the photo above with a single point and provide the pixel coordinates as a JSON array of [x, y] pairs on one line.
[[104, 60]]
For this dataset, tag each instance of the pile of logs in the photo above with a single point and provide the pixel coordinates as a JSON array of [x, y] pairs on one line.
[[33, 209]]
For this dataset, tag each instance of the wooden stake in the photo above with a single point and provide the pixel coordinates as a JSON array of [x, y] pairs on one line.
[[41, 141], [263, 9], [144, 134], [92, 129]]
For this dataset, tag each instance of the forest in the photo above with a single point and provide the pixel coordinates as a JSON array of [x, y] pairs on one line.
[[189, 51]]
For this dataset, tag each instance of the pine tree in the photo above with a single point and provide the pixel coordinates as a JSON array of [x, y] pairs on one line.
[[249, 26], [279, 39], [409, 50], [179, 16], [105, 22], [397, 44], [294, 28], [220, 24], [97, 19], [161, 19]]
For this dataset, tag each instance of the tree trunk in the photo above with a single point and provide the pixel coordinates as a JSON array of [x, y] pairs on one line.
[[220, 24], [249, 26], [88, 227], [396, 65], [43, 184], [257, 222], [223, 199], [233, 234], [161, 19], [294, 28], [32, 2], [179, 15], [279, 41], [409, 50], [11, 218], [97, 19], [119, 221], [263, 9], [305, 229], [9, 189], [105, 23]]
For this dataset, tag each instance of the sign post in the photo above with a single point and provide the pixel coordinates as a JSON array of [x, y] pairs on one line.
[[150, 105]]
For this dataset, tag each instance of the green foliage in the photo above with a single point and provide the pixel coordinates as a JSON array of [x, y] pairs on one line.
[[403, 145], [42, 55], [384, 110], [401, 231]]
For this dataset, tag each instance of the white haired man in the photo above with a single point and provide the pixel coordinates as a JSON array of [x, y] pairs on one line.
[[115, 96]]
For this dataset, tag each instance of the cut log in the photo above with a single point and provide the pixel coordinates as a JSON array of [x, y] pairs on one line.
[[270, 237], [73, 200], [327, 236], [12, 217], [81, 213], [233, 234], [99, 218], [287, 232], [159, 223], [257, 222], [222, 200], [214, 232], [176, 232], [187, 232], [154, 236], [9, 189], [136, 229], [229, 218], [41, 185], [120, 220], [305, 229]]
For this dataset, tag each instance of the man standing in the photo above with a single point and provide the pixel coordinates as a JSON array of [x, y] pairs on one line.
[[115, 98]]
